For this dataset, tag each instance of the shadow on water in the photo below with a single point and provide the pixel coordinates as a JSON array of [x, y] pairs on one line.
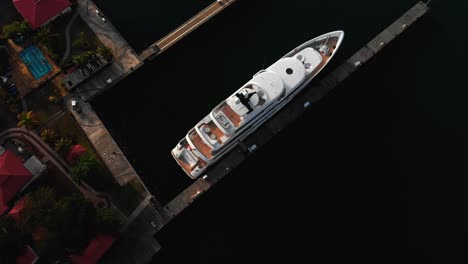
[[163, 100], [372, 165]]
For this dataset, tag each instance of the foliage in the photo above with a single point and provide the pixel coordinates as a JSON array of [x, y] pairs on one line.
[[50, 247], [14, 28], [12, 240], [69, 222], [52, 99], [105, 52], [27, 119], [49, 135], [38, 205], [83, 58], [107, 221], [44, 36], [83, 168], [73, 219], [82, 42], [13, 103], [4, 57], [63, 145]]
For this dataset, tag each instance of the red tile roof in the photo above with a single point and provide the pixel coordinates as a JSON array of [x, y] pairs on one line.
[[15, 212], [76, 151], [29, 257], [13, 177], [39, 12], [95, 250]]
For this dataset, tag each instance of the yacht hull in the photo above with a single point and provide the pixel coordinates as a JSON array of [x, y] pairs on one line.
[[329, 42]]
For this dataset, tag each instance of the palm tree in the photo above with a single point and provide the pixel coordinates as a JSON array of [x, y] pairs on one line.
[[82, 42], [27, 119], [43, 36], [105, 52], [38, 206], [107, 221], [63, 145], [83, 167], [79, 59], [49, 135]]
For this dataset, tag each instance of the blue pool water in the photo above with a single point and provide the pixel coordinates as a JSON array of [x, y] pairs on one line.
[[36, 62]]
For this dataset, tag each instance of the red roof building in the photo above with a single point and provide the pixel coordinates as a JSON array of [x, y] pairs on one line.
[[29, 257], [95, 250], [76, 151], [16, 210], [13, 177], [39, 12]]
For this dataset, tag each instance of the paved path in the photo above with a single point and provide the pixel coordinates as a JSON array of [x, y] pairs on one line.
[[104, 145], [67, 37], [186, 28], [50, 158], [125, 58]]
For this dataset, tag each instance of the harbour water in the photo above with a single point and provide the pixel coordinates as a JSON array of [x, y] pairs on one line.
[[376, 167]]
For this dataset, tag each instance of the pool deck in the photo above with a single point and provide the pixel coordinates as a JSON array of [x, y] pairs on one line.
[[21, 76], [125, 59]]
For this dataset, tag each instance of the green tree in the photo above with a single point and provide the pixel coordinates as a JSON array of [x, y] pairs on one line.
[[83, 168], [27, 119], [12, 29], [12, 240], [105, 52], [107, 221], [49, 135], [82, 42], [73, 219], [50, 247], [62, 145], [78, 59], [84, 57], [38, 206], [4, 57], [44, 36]]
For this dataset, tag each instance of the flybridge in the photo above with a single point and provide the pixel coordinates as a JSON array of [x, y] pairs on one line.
[[254, 103]]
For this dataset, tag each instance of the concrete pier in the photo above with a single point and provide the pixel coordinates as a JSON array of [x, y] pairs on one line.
[[291, 112], [170, 39], [125, 58], [103, 143]]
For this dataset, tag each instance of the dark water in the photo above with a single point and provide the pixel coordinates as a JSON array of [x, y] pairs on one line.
[[375, 170]]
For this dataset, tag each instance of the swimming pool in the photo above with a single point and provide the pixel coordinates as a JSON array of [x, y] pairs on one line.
[[36, 62]]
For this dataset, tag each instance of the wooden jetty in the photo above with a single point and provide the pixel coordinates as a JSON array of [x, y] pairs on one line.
[[170, 39]]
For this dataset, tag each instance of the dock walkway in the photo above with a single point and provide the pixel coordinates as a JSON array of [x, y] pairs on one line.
[[185, 29], [291, 112], [104, 144]]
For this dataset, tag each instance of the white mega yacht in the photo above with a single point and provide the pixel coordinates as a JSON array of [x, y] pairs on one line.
[[254, 103]]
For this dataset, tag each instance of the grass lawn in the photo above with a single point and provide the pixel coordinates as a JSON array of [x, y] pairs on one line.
[[66, 126], [83, 41], [38, 102], [57, 28], [78, 27]]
